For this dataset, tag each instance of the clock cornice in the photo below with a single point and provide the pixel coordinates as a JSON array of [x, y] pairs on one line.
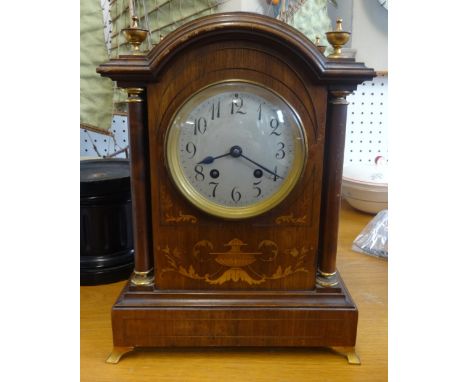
[[140, 69]]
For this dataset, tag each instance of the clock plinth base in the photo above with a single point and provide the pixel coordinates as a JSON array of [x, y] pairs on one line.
[[325, 317], [118, 352]]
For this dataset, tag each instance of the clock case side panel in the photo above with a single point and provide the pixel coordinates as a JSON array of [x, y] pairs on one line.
[[292, 226]]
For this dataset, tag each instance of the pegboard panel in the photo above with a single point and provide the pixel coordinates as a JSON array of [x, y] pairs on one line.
[[95, 144], [366, 128]]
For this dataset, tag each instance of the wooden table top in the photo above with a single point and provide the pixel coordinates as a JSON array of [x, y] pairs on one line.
[[365, 278]]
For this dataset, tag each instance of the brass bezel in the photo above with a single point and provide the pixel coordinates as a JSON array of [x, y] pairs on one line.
[[231, 212]]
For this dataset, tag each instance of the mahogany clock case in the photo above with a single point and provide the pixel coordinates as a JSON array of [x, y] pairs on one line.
[[220, 282], [182, 227]]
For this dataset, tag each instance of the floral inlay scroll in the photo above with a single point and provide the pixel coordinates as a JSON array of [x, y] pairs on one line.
[[290, 219], [181, 218], [169, 215], [234, 264]]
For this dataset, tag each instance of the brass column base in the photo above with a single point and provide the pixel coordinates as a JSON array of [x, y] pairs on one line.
[[117, 353], [326, 279], [142, 278], [348, 352]]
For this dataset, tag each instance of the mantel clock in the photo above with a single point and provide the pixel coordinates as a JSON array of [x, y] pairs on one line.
[[237, 126]]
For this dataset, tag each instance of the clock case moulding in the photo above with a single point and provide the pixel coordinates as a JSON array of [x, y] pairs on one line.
[[179, 295]]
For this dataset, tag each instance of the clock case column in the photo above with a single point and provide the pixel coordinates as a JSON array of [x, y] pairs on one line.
[[146, 316], [143, 274], [331, 186]]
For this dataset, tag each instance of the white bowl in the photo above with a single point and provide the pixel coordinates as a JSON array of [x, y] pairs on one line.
[[365, 187]]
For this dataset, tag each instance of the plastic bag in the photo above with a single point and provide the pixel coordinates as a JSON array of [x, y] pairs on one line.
[[373, 240]]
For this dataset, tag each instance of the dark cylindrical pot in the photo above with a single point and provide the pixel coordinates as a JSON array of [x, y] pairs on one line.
[[105, 221]]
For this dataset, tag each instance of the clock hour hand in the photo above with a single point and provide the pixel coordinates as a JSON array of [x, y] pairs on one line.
[[234, 151], [209, 159]]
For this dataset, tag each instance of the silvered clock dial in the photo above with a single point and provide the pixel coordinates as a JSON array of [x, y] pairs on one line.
[[235, 149]]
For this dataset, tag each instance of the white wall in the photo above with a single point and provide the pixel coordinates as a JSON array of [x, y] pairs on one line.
[[343, 10], [370, 33], [367, 21]]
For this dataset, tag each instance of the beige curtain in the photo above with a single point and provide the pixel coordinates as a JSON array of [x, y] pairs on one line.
[[312, 20], [160, 17], [95, 91]]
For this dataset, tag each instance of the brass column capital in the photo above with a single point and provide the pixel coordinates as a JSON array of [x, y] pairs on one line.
[[338, 97], [134, 94]]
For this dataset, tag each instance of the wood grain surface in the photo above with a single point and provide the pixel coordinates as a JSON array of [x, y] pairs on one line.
[[196, 68], [189, 247], [365, 278]]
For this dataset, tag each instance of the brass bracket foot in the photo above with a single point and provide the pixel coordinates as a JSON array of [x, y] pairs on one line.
[[349, 352], [117, 353]]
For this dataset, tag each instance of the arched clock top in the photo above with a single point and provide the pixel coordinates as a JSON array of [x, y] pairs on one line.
[[237, 26]]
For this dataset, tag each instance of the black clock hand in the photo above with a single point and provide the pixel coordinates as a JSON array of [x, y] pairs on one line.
[[209, 159], [234, 151], [262, 167]]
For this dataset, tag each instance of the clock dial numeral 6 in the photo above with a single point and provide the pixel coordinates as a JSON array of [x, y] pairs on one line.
[[236, 195]]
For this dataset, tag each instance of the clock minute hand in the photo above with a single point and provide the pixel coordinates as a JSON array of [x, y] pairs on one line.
[[262, 167]]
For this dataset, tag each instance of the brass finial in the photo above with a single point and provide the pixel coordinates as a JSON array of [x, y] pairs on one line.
[[337, 39], [134, 35], [339, 25], [134, 22], [321, 48]]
